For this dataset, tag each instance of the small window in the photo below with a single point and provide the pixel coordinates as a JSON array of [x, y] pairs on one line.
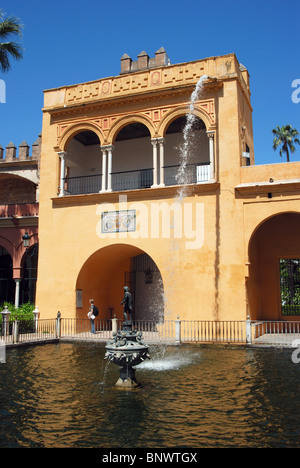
[[290, 286]]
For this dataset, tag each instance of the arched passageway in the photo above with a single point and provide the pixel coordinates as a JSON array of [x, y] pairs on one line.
[[7, 284], [106, 272], [273, 285], [28, 283]]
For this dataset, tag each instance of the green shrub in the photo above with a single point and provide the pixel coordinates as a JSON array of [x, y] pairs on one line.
[[23, 312]]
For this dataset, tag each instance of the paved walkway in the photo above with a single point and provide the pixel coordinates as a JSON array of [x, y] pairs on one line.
[[279, 339], [291, 340]]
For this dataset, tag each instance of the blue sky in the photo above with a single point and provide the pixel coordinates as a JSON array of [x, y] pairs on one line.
[[71, 41]]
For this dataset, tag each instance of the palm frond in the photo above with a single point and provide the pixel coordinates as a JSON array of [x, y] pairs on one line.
[[9, 26]]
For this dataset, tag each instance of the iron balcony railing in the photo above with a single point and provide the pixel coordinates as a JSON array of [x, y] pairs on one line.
[[192, 174], [137, 179], [82, 184], [130, 180]]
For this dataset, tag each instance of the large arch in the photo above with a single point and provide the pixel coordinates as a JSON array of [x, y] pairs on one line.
[[15, 188], [275, 239], [106, 272]]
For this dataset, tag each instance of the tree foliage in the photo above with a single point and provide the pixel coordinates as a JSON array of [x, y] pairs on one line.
[[9, 26], [286, 137]]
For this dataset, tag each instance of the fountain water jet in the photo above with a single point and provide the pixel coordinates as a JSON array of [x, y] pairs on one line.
[[182, 176]]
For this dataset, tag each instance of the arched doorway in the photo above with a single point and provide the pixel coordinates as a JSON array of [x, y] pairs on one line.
[[274, 274], [28, 283], [7, 284], [108, 270]]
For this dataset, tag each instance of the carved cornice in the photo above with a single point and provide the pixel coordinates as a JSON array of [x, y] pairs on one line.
[[140, 85]]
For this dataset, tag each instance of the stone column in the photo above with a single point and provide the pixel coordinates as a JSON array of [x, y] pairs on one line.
[[103, 185], [109, 167], [17, 292], [211, 136], [161, 142], [62, 155], [154, 145]]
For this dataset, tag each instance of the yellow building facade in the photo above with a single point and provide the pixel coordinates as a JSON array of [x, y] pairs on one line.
[[148, 180]]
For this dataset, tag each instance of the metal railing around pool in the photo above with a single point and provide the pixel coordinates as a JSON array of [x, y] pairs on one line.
[[275, 332], [169, 331], [213, 331]]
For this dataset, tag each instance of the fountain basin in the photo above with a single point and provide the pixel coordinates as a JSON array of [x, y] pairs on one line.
[[127, 350]]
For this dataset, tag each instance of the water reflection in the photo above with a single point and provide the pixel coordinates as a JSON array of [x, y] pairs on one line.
[[63, 395]]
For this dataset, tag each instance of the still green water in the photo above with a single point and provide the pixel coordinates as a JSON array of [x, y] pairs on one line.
[[63, 395]]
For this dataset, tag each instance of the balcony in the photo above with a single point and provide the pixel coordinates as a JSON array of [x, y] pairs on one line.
[[136, 179]]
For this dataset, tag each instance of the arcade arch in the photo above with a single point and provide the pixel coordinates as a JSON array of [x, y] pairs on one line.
[[196, 145], [106, 272], [7, 284], [15, 188], [274, 240], [132, 158], [81, 164]]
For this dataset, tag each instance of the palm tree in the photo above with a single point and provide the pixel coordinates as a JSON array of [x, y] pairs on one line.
[[9, 26], [285, 136]]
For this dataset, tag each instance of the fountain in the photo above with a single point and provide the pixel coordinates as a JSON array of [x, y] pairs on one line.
[[127, 349]]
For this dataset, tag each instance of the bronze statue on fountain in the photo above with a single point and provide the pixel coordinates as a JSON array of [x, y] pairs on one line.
[[127, 348]]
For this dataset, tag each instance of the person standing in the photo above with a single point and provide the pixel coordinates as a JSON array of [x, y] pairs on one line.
[[92, 314]]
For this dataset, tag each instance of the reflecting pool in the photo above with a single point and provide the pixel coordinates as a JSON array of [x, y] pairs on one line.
[[63, 395]]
